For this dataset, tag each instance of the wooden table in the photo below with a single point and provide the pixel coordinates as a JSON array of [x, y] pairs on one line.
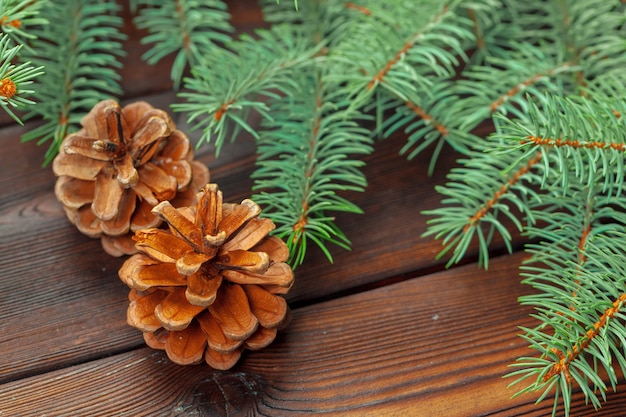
[[383, 331]]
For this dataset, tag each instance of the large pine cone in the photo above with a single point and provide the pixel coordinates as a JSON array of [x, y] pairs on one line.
[[208, 287], [122, 163]]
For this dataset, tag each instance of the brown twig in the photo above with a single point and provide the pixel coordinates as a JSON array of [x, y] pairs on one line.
[[513, 91], [398, 56], [562, 143], [361, 9], [300, 226], [563, 364], [480, 40], [501, 191], [427, 118], [222, 110]]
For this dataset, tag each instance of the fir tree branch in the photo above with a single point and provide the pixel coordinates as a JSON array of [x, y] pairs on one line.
[[504, 188], [190, 28], [306, 150], [524, 85], [79, 50], [502, 85], [17, 19], [576, 343], [404, 54], [572, 141], [14, 78], [565, 360], [477, 28], [590, 32], [494, 26], [301, 200], [520, 145], [378, 78], [483, 188], [225, 87], [428, 118], [585, 234]]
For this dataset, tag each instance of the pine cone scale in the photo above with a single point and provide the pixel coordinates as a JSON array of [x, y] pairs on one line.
[[74, 193], [140, 311], [127, 175], [191, 262], [232, 311], [269, 309], [216, 338], [161, 245], [143, 217], [77, 166], [118, 245], [107, 196], [261, 338], [134, 112], [202, 288], [186, 347], [156, 339], [181, 171], [175, 312], [222, 361], [146, 194], [162, 185], [276, 274], [185, 227], [243, 212], [146, 136], [100, 116], [177, 147], [87, 147], [251, 234], [255, 262], [199, 177], [114, 124], [86, 222], [209, 210], [274, 247], [120, 223], [130, 268], [148, 276]]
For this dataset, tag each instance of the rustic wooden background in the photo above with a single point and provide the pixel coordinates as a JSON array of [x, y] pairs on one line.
[[384, 331]]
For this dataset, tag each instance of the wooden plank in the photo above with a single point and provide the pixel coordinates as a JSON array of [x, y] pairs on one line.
[[437, 345]]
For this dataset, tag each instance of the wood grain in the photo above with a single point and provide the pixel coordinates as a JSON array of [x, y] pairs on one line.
[[65, 277], [383, 331], [430, 346], [55, 277]]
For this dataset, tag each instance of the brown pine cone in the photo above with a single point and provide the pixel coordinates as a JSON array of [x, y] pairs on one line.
[[122, 163], [209, 286]]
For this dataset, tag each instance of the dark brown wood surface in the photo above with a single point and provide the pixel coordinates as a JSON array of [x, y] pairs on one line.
[[383, 331]]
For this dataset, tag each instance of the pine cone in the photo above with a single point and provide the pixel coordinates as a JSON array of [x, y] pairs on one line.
[[122, 163], [208, 287]]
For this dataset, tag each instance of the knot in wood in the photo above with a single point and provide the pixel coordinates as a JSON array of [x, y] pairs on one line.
[[225, 394]]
